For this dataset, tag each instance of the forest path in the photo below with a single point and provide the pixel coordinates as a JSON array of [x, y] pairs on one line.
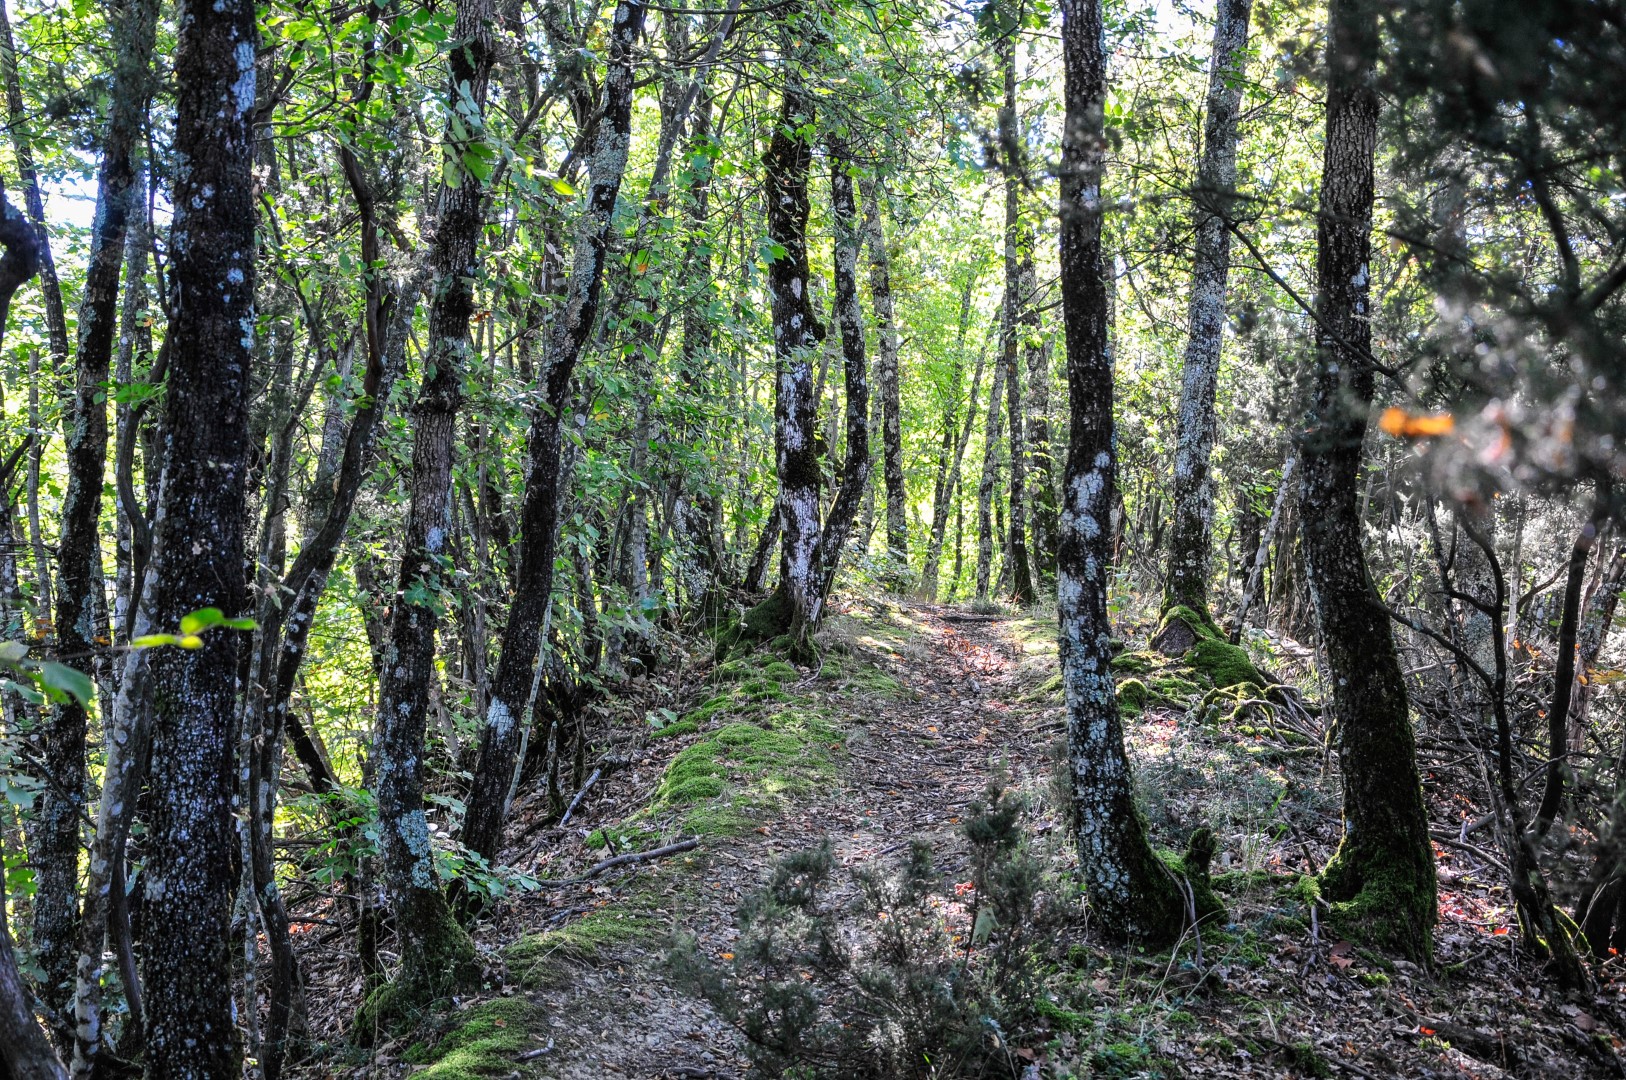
[[913, 760], [914, 709]]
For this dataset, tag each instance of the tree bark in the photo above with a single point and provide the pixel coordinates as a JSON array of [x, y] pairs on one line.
[[1019, 285], [80, 631], [1383, 871], [1558, 712], [198, 558], [886, 376], [437, 956], [522, 637], [991, 432], [1129, 888], [1042, 479], [951, 484], [1191, 532], [797, 335], [849, 317]]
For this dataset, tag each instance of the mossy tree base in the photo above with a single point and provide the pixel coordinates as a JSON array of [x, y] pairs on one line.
[[1385, 898], [437, 961]]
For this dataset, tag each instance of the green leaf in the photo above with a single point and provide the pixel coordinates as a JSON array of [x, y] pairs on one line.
[[149, 641], [561, 186], [12, 651], [202, 619], [62, 679]]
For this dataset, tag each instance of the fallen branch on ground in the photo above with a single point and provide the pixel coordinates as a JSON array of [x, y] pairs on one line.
[[622, 860]]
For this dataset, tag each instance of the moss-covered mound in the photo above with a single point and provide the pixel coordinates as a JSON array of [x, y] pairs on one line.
[[482, 1041]]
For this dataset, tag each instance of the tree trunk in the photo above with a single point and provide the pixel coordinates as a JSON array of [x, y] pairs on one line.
[[1558, 712], [886, 377], [1129, 888], [991, 431], [796, 335], [1383, 872], [437, 956], [1191, 533], [1250, 590], [522, 636], [80, 632], [951, 484], [1042, 481], [198, 554], [849, 318], [1019, 286]]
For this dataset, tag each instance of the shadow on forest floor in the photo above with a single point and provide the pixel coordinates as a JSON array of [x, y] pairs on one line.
[[893, 737]]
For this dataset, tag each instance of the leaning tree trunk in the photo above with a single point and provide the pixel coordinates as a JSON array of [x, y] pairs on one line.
[[198, 554], [437, 956], [1129, 888], [80, 629], [1191, 532], [1019, 284], [796, 335], [849, 318], [533, 582], [886, 378], [1383, 872]]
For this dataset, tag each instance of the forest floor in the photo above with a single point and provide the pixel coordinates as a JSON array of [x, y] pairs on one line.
[[914, 709]]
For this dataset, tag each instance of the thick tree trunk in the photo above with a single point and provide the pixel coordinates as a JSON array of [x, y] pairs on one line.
[[849, 318], [1383, 871], [1191, 532], [1129, 888], [436, 955], [796, 335], [886, 377], [522, 637], [198, 552]]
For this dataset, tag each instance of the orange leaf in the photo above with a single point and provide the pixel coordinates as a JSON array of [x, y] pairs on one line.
[[728, 956], [1425, 1030], [1500, 931], [1403, 425]]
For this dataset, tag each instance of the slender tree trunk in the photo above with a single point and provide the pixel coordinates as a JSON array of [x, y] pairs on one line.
[[79, 631], [1558, 712], [849, 318], [1129, 888], [1019, 285], [436, 954], [886, 377], [1250, 591], [1191, 532], [951, 484], [991, 431], [198, 549], [1600, 613], [522, 637], [1383, 871], [796, 336], [1042, 479]]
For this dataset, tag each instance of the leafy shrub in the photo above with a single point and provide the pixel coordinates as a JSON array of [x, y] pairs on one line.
[[906, 978]]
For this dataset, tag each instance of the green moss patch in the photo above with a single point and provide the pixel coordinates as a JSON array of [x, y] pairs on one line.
[[482, 1041], [537, 960]]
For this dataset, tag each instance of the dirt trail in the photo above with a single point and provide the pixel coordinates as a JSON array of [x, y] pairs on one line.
[[922, 706], [913, 762]]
